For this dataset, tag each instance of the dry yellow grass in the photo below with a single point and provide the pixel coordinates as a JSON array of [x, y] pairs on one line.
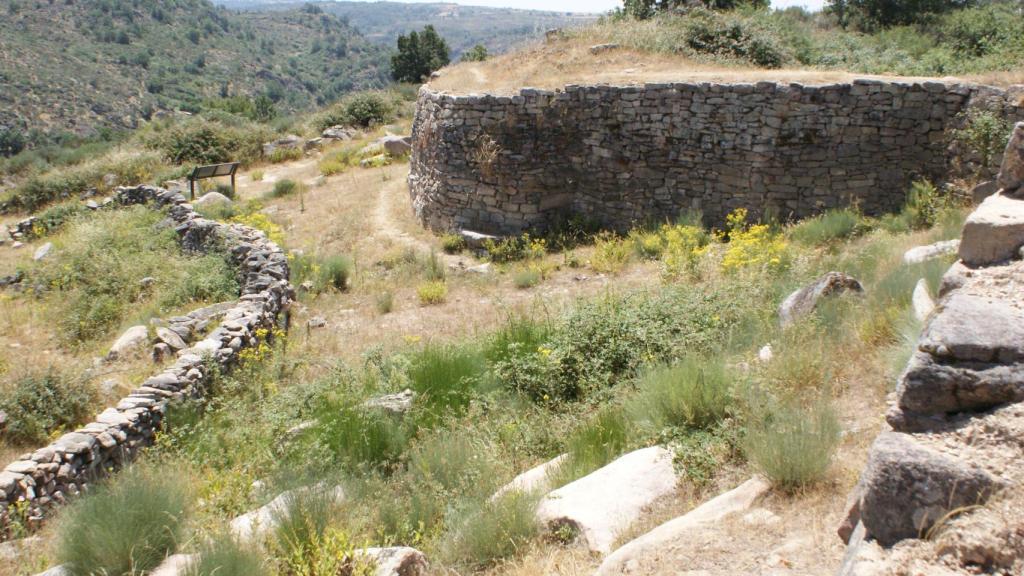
[[559, 63]]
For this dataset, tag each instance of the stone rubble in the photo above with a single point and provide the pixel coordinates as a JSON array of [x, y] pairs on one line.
[[803, 301], [52, 474], [951, 454]]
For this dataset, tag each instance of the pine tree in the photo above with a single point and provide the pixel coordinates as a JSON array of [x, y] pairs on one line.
[[418, 55]]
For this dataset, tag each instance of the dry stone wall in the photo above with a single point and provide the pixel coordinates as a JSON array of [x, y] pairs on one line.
[[35, 482], [624, 155]]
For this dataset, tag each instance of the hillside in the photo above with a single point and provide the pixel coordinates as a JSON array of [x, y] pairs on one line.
[[499, 29], [119, 62]]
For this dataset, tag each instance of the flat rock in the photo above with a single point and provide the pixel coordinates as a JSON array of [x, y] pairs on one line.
[[603, 504], [394, 561], [805, 300], [920, 254], [600, 48], [133, 339], [398, 403], [175, 565], [908, 487], [56, 571], [258, 523], [994, 232], [171, 338], [626, 559], [396, 145], [476, 239], [922, 300], [983, 190], [339, 133], [42, 251], [534, 479]]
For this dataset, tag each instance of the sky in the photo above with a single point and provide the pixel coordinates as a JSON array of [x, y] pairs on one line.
[[593, 5]]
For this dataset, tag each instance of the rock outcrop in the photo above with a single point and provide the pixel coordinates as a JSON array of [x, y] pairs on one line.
[[949, 466], [601, 505], [803, 301]]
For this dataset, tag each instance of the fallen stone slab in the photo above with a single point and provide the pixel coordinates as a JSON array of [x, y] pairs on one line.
[[920, 254], [42, 251], [534, 479], [476, 239], [174, 565], [805, 300], [131, 341], [922, 300], [626, 559], [398, 404], [171, 338], [258, 523], [994, 232], [394, 561], [601, 505]]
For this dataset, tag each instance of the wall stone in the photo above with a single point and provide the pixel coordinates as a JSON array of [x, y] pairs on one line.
[[625, 155], [37, 481]]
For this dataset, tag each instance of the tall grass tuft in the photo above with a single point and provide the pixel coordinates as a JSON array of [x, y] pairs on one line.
[[519, 334], [335, 271], [695, 393], [446, 375], [492, 532], [225, 556], [304, 520], [792, 444], [284, 188], [832, 226], [360, 437], [596, 443], [125, 527]]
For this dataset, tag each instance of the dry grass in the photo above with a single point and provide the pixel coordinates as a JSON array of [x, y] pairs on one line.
[[560, 63]]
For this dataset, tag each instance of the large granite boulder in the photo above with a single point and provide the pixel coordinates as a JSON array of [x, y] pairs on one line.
[[1011, 172], [994, 232]]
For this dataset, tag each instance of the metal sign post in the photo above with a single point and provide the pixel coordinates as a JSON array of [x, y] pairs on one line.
[[211, 171]]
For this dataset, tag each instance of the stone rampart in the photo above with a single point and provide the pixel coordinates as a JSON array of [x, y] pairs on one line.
[[35, 482], [620, 156]]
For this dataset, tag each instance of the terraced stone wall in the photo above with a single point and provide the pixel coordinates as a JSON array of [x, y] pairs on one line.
[[626, 155], [36, 481]]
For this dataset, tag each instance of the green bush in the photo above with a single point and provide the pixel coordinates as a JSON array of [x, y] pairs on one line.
[[284, 188], [597, 442], [452, 243], [335, 271], [432, 293], [125, 527], [526, 277], [363, 109], [280, 155], [302, 523], [446, 376], [359, 437], [205, 141], [793, 445], [727, 35], [695, 393], [225, 556], [984, 134], [494, 531], [829, 227], [39, 404]]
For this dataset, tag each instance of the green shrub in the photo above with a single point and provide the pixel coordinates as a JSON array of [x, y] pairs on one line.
[[335, 272], [695, 393], [452, 243], [225, 556], [519, 334], [446, 375], [728, 35], [431, 293], [597, 442], [793, 445], [284, 188], [924, 204], [359, 437], [280, 155], [56, 216], [364, 109], [127, 526], [526, 277], [303, 521], [700, 454], [611, 254], [512, 248], [829, 227], [984, 134], [39, 404], [202, 141], [385, 302], [433, 267], [494, 531]]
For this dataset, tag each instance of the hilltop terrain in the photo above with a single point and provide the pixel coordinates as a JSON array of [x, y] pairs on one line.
[[118, 63], [498, 29]]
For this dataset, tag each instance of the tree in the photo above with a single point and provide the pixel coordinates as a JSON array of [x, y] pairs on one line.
[[419, 54], [12, 141], [642, 9], [477, 53], [870, 14]]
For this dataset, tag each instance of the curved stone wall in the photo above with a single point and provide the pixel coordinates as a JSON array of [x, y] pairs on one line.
[[38, 480], [625, 155]]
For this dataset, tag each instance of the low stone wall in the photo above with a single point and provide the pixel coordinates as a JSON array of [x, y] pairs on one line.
[[626, 155], [35, 482], [954, 428]]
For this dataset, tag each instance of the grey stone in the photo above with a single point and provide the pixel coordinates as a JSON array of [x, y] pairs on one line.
[[317, 322], [983, 190], [994, 232], [601, 48], [42, 251], [131, 341], [396, 145], [288, 142], [805, 300], [1011, 171], [921, 300], [213, 199], [340, 133], [171, 338], [909, 487], [399, 403], [920, 254], [394, 561]]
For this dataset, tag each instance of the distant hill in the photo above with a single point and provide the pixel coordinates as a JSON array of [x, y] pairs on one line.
[[75, 65], [499, 29]]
